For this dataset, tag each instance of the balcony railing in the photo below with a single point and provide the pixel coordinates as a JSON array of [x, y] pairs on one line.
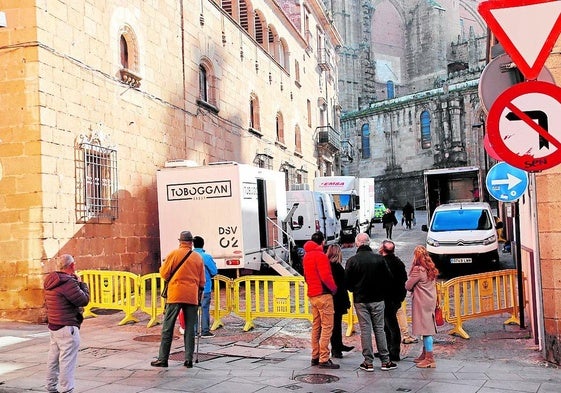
[[328, 138], [324, 59]]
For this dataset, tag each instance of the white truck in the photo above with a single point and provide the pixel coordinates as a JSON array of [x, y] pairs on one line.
[[448, 185], [315, 211], [354, 200], [236, 208]]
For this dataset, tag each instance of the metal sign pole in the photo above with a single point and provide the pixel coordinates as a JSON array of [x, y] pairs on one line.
[[518, 261]]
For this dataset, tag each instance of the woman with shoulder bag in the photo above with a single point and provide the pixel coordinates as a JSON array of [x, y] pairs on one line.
[[422, 284]]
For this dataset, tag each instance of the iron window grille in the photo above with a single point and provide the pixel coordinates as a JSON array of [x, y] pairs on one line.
[[96, 194]]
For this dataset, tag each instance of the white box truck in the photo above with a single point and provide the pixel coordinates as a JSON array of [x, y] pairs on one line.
[[315, 211], [351, 195], [235, 207]]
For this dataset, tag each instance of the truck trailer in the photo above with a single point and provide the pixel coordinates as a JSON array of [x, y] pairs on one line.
[[354, 200], [448, 185], [238, 209]]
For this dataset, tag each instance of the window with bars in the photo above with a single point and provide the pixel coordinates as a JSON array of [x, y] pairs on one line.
[[96, 194]]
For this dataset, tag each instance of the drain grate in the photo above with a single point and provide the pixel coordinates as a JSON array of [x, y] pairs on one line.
[[99, 352], [203, 357], [316, 379], [105, 311], [292, 387], [151, 338]]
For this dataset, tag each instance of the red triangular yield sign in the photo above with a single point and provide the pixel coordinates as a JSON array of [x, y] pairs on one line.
[[527, 30]]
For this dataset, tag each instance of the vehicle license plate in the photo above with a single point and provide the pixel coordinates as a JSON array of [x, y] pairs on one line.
[[460, 260]]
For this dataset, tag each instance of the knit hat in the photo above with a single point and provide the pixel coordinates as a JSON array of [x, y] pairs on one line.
[[185, 236]]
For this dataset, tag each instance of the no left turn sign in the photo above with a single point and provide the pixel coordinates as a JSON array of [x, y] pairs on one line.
[[524, 126]]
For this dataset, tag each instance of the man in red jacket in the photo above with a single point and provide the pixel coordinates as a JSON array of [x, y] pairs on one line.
[[65, 295], [321, 287]]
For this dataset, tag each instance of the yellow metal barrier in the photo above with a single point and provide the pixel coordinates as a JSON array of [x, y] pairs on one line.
[[479, 295], [150, 300], [270, 296], [222, 301], [112, 290], [350, 318]]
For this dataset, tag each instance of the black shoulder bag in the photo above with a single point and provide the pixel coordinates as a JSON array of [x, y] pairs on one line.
[[164, 293]]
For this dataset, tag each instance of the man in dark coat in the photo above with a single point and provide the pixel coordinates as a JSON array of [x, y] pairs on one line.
[[393, 298], [388, 222], [65, 295], [367, 276], [408, 214]]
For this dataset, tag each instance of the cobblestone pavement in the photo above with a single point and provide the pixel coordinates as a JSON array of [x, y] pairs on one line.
[[275, 356]]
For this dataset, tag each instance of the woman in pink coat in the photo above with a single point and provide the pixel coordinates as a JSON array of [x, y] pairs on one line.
[[422, 283]]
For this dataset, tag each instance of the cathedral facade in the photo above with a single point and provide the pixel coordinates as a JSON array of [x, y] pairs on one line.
[[408, 86]]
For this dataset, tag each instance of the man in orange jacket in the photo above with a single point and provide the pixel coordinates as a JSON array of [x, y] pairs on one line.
[[321, 287], [185, 273]]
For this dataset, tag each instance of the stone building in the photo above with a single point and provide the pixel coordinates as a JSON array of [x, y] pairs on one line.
[[408, 83], [97, 95]]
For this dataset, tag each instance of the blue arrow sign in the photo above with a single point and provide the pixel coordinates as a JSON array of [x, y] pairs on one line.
[[506, 183]]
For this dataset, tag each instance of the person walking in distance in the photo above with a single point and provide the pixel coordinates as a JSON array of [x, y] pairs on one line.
[[422, 283], [321, 287], [408, 214], [393, 298], [65, 297], [388, 222], [341, 301], [184, 272], [367, 277], [210, 272]]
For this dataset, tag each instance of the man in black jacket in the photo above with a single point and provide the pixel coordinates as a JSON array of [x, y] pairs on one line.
[[366, 276], [65, 295], [393, 297]]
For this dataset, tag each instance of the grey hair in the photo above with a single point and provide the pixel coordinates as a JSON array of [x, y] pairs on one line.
[[362, 239], [64, 261]]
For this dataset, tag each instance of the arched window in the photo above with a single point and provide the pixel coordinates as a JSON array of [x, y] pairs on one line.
[[425, 130], [203, 84], [244, 17], [297, 139], [280, 128], [124, 52], [129, 57], [284, 60], [259, 24], [254, 121], [207, 88], [390, 90], [365, 140]]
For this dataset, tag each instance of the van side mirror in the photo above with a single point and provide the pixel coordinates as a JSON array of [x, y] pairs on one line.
[[301, 220], [499, 225], [424, 228]]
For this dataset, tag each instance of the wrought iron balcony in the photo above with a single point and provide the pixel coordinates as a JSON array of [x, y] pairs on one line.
[[328, 138], [325, 60]]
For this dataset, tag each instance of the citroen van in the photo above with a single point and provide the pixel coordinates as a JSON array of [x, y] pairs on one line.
[[462, 238]]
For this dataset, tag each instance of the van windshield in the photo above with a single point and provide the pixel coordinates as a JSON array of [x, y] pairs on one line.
[[461, 220], [343, 203]]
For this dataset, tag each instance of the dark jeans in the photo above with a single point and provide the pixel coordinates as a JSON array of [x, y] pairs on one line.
[[391, 328], [337, 334], [168, 325]]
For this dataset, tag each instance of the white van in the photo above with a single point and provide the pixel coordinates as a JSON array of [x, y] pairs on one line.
[[462, 238], [315, 212]]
